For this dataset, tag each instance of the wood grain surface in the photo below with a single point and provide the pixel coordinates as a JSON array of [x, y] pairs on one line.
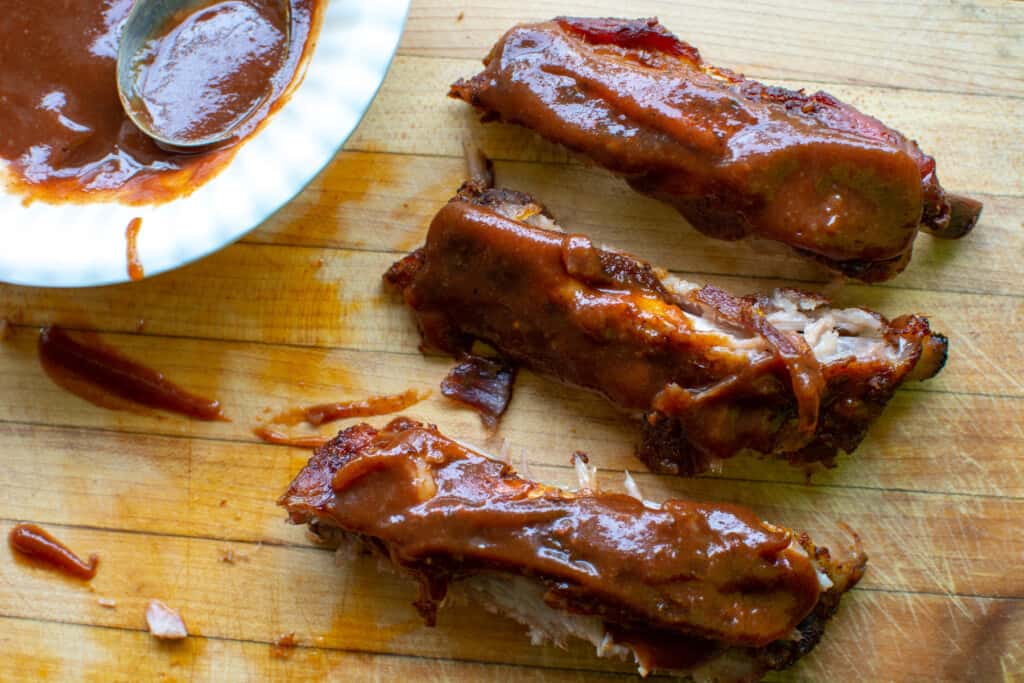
[[295, 313]]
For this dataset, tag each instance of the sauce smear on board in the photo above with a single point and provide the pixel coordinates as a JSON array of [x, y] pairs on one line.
[[367, 407], [324, 413], [65, 135], [35, 542], [275, 437], [101, 375]]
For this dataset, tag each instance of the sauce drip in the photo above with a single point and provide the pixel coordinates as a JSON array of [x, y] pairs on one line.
[[275, 437], [323, 413], [131, 235], [64, 132], [210, 69], [84, 369], [35, 542]]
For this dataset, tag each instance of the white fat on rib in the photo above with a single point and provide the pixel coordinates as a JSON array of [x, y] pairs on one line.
[[585, 474], [824, 583], [522, 599], [539, 220], [733, 340], [833, 334], [633, 491]]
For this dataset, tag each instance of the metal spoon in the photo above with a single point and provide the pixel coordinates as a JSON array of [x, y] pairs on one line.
[[146, 22]]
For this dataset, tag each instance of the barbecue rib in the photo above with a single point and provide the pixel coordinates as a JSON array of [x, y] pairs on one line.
[[783, 374], [734, 156], [699, 589]]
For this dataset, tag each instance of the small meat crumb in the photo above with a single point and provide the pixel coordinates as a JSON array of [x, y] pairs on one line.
[[462, 15], [229, 556], [109, 603], [165, 622], [284, 645]]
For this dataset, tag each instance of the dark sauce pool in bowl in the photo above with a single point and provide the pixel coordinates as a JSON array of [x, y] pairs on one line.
[[63, 132]]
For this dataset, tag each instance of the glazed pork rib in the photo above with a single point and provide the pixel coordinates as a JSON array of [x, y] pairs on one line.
[[705, 590], [784, 374], [734, 156]]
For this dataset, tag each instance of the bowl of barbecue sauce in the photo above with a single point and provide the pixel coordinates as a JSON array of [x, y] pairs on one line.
[[291, 83], [195, 75]]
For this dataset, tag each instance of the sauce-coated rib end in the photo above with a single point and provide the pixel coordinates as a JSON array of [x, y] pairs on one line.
[[707, 590], [734, 156], [785, 374]]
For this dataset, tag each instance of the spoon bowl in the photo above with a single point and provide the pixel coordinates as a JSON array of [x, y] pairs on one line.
[[151, 21]]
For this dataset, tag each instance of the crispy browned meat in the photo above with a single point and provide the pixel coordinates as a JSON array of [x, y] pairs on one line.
[[734, 156], [683, 586], [784, 373], [484, 384]]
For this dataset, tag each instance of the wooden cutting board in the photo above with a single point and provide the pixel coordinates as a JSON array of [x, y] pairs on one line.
[[294, 313]]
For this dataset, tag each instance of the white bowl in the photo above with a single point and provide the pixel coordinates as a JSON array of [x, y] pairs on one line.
[[76, 245]]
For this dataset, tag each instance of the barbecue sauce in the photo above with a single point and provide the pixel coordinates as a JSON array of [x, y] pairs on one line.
[[101, 376], [211, 67], [63, 130], [34, 542], [323, 413], [441, 510], [276, 437]]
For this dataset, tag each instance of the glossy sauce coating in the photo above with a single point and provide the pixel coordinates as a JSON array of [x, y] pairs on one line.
[[708, 372], [324, 413], [35, 542], [709, 571], [625, 341], [106, 370], [62, 127], [735, 157], [209, 69]]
